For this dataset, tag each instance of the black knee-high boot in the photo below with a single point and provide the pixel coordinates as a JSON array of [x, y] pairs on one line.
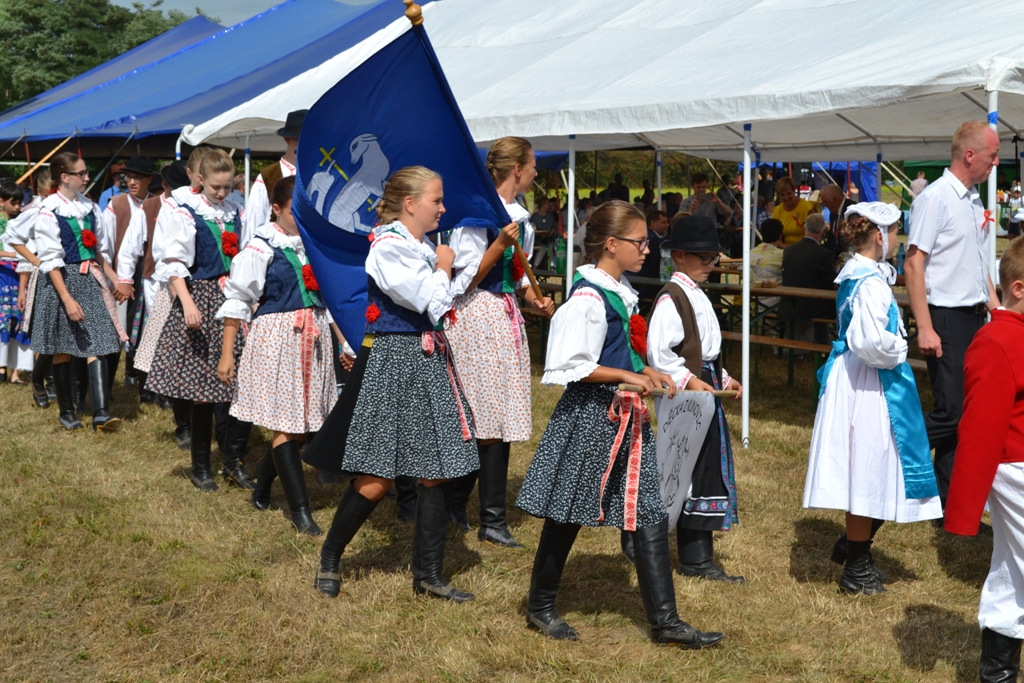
[[65, 400], [220, 430], [697, 556], [858, 575], [462, 489], [99, 386], [289, 469], [80, 384], [265, 475], [405, 498], [202, 438], [235, 441], [493, 484], [182, 434], [113, 360], [428, 543], [353, 511], [40, 371], [839, 549], [1000, 658], [541, 613], [654, 574]]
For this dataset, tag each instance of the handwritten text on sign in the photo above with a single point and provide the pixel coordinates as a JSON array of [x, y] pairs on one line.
[[683, 423]]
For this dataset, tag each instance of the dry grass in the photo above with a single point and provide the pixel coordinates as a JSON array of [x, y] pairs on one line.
[[115, 568]]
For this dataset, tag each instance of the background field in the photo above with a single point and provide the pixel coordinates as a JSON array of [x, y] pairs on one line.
[[115, 569]]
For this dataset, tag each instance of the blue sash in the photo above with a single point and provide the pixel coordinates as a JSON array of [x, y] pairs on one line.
[[901, 398]]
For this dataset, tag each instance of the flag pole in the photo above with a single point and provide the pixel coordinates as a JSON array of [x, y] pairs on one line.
[[44, 160], [413, 12], [528, 270]]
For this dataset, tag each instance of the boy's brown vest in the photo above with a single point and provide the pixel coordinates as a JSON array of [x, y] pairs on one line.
[[271, 174], [690, 348]]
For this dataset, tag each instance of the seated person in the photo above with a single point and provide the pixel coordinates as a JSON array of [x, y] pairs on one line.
[[766, 259], [657, 229], [808, 264]]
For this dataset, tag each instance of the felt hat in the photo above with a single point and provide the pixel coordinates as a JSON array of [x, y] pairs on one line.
[[175, 174], [693, 234], [293, 124], [139, 163]]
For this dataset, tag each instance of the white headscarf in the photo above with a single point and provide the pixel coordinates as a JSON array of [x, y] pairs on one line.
[[883, 215]]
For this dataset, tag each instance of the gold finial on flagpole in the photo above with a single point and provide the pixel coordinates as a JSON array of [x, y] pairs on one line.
[[413, 12]]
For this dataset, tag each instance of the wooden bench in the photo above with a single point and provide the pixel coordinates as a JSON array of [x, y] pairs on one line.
[[819, 350]]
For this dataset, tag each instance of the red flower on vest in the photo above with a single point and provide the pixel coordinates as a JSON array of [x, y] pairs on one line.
[[88, 239], [309, 279], [229, 244], [517, 268], [638, 335], [372, 313]]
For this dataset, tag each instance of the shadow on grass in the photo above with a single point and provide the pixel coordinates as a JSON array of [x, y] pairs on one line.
[[929, 634], [809, 556], [964, 558]]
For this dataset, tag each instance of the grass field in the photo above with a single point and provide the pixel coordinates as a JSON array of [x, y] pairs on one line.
[[115, 569]]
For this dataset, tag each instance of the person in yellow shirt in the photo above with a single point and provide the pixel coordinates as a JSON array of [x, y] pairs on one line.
[[792, 211]]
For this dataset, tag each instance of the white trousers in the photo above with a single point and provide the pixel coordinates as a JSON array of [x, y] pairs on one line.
[[15, 355], [1002, 596]]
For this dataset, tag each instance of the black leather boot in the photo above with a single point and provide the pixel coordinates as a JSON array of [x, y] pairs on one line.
[[51, 386], [289, 469], [626, 543], [145, 395], [80, 384], [428, 543], [40, 371], [112, 361], [405, 498], [1000, 658], [182, 432], [654, 574], [265, 475], [235, 441], [493, 483], [353, 511], [541, 613], [99, 386], [220, 430], [697, 556], [462, 489], [65, 400], [839, 549], [858, 575], [202, 440]]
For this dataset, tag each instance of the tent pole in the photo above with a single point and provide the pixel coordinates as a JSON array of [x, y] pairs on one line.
[[746, 285], [757, 188], [878, 174], [657, 170], [570, 215], [177, 149], [247, 162], [39, 163], [993, 207]]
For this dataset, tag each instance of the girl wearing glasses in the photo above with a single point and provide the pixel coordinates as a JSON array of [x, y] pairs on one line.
[[597, 464], [74, 312], [488, 336], [685, 341]]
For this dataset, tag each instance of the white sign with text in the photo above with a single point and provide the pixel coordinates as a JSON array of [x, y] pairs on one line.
[[683, 423]]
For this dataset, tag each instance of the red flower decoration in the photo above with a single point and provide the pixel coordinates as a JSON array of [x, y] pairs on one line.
[[229, 244], [517, 268], [309, 279], [370, 236], [372, 313], [88, 239], [638, 334]]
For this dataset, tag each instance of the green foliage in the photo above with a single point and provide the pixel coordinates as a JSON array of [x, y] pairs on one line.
[[43, 44]]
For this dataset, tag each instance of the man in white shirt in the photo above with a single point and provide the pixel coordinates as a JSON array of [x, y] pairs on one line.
[[948, 282]]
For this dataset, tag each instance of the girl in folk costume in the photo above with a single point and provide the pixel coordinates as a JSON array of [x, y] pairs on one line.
[[74, 313], [286, 375], [403, 411], [685, 341], [193, 247], [596, 464], [20, 237], [869, 450], [488, 337], [14, 349]]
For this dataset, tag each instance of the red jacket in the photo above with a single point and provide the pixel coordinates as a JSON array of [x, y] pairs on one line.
[[992, 426]]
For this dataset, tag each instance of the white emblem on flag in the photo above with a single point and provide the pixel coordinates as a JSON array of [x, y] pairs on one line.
[[353, 209]]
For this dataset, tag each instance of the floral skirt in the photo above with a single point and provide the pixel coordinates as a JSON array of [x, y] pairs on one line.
[[156, 317], [11, 319]]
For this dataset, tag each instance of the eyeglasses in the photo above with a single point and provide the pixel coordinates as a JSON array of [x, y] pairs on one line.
[[641, 245], [708, 260], [80, 174]]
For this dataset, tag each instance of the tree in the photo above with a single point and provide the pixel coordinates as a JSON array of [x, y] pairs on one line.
[[44, 43]]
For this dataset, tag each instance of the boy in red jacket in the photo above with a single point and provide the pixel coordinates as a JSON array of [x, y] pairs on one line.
[[989, 465]]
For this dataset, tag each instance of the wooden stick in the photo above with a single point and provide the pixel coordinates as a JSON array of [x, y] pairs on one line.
[[528, 270], [413, 12], [44, 160], [660, 391]]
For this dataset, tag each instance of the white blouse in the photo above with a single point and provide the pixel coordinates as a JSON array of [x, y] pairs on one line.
[[405, 269], [866, 335], [133, 247], [108, 236], [47, 232], [469, 245], [579, 327], [257, 207], [249, 270], [665, 331], [174, 237], [22, 230]]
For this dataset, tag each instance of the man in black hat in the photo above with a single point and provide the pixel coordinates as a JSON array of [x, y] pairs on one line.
[[257, 208]]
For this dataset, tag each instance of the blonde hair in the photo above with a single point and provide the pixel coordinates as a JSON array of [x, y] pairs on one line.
[[1011, 265], [215, 161], [612, 219], [503, 156], [970, 135], [44, 182], [196, 157], [410, 181]]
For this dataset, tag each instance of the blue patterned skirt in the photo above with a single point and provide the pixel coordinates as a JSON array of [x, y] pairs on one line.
[[10, 317]]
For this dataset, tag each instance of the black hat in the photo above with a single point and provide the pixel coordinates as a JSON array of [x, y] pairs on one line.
[[693, 234], [156, 184], [175, 174], [139, 163], [293, 124]]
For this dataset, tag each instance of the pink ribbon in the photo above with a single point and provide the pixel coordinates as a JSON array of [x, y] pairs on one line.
[[627, 407], [515, 317], [309, 334], [436, 340], [30, 299], [108, 299]]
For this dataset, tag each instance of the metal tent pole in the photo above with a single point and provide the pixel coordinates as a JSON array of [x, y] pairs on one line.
[[570, 215], [657, 165], [993, 206], [747, 156], [247, 164]]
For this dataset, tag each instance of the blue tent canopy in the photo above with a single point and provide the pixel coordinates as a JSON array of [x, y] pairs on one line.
[[862, 173], [168, 42], [206, 78]]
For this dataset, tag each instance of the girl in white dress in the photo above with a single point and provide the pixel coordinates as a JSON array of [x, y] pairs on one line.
[[869, 450]]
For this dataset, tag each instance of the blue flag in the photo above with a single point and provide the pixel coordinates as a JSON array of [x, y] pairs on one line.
[[392, 111]]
